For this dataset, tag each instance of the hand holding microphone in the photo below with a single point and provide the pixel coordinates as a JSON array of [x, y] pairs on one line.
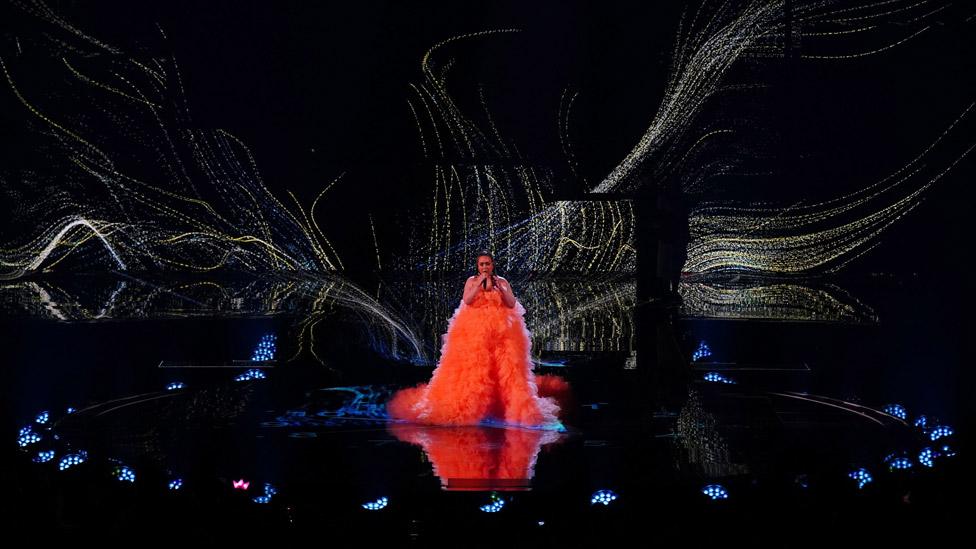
[[485, 281]]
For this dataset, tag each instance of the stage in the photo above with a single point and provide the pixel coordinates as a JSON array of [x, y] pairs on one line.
[[231, 233], [244, 424]]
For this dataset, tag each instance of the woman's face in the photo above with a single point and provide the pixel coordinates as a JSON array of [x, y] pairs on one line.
[[485, 265]]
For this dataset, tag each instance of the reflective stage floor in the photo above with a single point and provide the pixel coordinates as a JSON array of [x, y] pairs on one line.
[[243, 409]]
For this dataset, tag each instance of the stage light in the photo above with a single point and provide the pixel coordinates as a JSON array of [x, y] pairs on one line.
[[27, 436], [71, 460], [947, 451], [253, 373], [42, 417], [899, 463], [377, 504], [265, 350], [269, 491], [124, 473], [927, 457], [241, 484], [70, 410], [715, 491], [603, 496], [940, 431], [862, 477], [496, 505], [896, 410], [44, 456], [703, 351], [922, 422], [715, 377], [175, 484], [175, 385]]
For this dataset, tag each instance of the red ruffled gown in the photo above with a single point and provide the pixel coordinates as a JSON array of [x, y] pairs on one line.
[[484, 374]]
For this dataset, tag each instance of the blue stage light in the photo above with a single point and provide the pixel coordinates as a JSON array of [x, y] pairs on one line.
[[377, 504], [927, 457], [70, 410], [899, 463], [896, 410], [603, 496], [175, 484], [253, 373], [71, 460], [44, 456], [716, 377], [922, 422], [265, 350], [862, 477], [27, 436], [947, 451], [172, 386], [496, 505], [124, 473], [269, 491], [701, 352], [715, 491], [940, 431], [42, 417]]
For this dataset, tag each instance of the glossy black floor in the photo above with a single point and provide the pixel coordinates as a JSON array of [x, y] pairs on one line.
[[771, 416]]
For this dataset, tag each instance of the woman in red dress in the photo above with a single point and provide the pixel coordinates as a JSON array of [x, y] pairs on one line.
[[485, 371]]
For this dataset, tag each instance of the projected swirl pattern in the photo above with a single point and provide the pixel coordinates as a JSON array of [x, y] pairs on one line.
[[137, 186], [185, 199]]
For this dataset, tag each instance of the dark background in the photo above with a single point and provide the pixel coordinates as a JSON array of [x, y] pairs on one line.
[[320, 89]]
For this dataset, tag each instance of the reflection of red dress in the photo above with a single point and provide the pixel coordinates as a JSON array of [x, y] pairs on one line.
[[479, 458], [485, 373]]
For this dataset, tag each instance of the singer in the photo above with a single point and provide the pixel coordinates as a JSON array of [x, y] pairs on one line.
[[485, 371]]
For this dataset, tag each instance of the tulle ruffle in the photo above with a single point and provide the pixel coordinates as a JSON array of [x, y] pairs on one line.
[[485, 374]]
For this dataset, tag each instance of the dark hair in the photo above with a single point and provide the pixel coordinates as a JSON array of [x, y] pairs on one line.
[[484, 252]]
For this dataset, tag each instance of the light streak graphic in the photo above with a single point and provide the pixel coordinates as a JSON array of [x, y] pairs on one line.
[[817, 238], [306, 297], [707, 45], [136, 176], [486, 195], [886, 24], [476, 204], [720, 34], [811, 239], [185, 199], [772, 299]]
